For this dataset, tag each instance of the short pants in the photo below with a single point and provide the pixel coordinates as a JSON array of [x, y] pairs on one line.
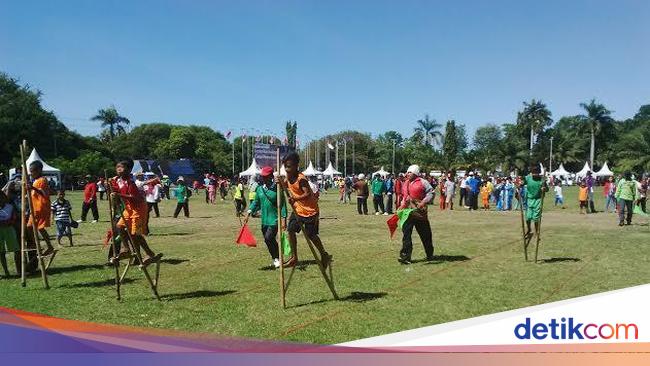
[[310, 224]]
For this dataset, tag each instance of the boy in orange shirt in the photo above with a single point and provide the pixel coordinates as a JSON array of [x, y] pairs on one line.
[[583, 196], [135, 214], [40, 194], [305, 209]]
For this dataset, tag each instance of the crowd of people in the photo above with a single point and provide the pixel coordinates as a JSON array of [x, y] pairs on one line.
[[256, 197]]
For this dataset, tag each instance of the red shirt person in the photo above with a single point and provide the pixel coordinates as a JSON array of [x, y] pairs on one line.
[[90, 200]]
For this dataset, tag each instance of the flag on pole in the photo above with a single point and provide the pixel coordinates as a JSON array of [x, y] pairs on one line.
[[330, 145], [245, 237], [286, 246], [392, 224], [228, 134]]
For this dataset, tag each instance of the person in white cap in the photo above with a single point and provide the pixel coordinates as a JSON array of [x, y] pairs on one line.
[[361, 186], [416, 194]]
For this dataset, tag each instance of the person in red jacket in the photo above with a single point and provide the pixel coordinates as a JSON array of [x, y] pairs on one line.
[[416, 194], [90, 200]]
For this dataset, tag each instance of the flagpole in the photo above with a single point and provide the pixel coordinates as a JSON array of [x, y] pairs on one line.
[[336, 158], [345, 157], [241, 139]]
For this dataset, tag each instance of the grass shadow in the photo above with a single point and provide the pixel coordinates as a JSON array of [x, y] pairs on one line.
[[354, 296], [170, 234], [75, 268], [173, 261], [560, 259], [196, 294], [437, 259], [102, 283]]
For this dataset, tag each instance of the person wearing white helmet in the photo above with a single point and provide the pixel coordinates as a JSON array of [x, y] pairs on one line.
[[361, 186], [416, 194]]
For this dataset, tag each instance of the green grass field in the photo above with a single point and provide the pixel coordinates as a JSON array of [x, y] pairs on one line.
[[209, 284]]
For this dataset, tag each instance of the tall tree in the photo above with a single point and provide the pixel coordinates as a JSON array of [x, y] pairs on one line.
[[597, 117], [113, 120], [430, 129], [534, 117], [450, 146], [291, 128]]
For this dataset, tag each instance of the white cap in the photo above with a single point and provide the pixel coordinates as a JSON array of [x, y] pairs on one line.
[[361, 176], [471, 173], [415, 169]]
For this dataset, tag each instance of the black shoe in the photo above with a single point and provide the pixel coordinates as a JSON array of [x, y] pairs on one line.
[[430, 259], [404, 260]]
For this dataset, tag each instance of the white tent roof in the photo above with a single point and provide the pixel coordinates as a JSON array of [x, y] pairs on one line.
[[583, 172], [311, 171], [47, 168], [252, 170], [331, 171], [560, 172], [604, 171], [381, 172]]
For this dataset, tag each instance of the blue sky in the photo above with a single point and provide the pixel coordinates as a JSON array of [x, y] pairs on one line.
[[331, 65]]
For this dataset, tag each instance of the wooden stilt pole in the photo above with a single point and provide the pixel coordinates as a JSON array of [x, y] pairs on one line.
[[136, 252], [523, 226], [23, 224], [116, 264], [37, 241], [539, 225], [279, 196]]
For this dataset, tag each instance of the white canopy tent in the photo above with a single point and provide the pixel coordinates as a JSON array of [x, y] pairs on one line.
[[252, 170], [604, 171], [560, 172], [330, 171], [310, 171], [381, 172], [48, 170], [583, 172]]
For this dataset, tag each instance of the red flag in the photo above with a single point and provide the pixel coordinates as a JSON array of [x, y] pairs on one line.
[[246, 237], [392, 224]]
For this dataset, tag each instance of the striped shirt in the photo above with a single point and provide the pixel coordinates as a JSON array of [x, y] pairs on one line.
[[61, 210]]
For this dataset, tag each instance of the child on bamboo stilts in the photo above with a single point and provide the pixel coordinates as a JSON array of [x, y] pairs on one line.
[[134, 216], [305, 210], [535, 186], [40, 193]]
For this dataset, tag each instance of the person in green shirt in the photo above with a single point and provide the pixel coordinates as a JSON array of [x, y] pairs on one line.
[[182, 197], [535, 188], [378, 188], [626, 194], [266, 201]]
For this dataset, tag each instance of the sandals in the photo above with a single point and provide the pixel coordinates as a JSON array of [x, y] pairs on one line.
[[147, 261]]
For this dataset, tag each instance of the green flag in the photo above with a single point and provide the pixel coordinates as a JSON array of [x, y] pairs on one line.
[[638, 211], [286, 246], [403, 215]]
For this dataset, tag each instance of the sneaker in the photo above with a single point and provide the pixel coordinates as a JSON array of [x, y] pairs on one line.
[[403, 260], [385, 213], [276, 263], [376, 213], [94, 221]]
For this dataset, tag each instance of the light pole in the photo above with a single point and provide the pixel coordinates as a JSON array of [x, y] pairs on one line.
[[352, 155], [345, 156], [550, 157], [393, 157]]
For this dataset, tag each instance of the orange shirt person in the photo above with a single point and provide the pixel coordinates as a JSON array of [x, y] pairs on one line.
[[305, 213], [40, 196], [135, 215]]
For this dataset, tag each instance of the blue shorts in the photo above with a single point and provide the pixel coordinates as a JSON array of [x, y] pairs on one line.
[[63, 228]]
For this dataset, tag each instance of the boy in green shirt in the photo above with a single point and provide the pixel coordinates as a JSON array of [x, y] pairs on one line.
[[378, 188], [626, 194], [182, 196], [266, 200], [535, 186]]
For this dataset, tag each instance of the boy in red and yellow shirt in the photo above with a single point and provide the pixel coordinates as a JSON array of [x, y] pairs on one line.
[[135, 214]]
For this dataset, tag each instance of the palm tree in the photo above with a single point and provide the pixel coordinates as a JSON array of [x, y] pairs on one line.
[[112, 119], [597, 116], [430, 128], [535, 117]]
